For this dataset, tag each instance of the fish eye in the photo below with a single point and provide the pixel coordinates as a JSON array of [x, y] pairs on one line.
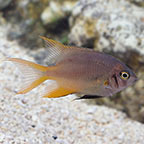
[[124, 75]]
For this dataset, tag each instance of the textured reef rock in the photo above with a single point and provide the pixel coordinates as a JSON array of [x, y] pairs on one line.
[[31, 119], [56, 11], [30, 18], [118, 29], [137, 2], [115, 27], [4, 3]]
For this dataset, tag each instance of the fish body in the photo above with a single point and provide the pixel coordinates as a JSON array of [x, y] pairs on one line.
[[77, 70]]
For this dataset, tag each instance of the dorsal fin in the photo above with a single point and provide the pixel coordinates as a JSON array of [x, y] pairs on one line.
[[52, 43], [55, 50]]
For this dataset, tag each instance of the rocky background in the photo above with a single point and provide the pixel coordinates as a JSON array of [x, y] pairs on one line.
[[112, 26], [31, 18]]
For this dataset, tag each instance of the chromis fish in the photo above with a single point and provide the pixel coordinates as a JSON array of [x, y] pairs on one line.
[[76, 70]]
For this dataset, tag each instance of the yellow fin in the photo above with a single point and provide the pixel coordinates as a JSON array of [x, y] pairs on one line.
[[51, 42], [33, 74], [32, 85], [58, 92], [27, 63]]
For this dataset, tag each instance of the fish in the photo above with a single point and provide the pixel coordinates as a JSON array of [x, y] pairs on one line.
[[75, 70]]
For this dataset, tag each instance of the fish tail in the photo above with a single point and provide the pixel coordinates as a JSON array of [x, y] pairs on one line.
[[34, 74]]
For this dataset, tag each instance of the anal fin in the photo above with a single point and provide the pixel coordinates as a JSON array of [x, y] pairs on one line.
[[58, 92]]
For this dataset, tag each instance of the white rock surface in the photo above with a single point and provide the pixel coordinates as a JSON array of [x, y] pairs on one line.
[[56, 11], [30, 119], [52, 13], [115, 25]]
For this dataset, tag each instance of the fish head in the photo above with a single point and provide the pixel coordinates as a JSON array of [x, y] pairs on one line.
[[122, 77]]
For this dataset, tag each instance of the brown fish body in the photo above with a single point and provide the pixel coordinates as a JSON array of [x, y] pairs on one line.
[[79, 70], [87, 71]]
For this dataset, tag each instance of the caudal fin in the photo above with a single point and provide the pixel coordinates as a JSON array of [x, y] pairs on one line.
[[34, 74]]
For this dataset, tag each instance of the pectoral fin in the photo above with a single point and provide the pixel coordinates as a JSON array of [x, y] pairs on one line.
[[89, 97]]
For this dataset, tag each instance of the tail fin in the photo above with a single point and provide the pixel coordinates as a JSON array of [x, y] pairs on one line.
[[34, 74]]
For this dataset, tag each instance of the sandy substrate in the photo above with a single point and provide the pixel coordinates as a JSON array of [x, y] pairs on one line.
[[31, 119]]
